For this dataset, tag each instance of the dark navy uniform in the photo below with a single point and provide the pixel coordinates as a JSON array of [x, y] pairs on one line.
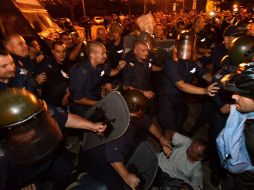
[[137, 74], [23, 74], [86, 82], [51, 68], [172, 105], [218, 52], [115, 53], [97, 161], [57, 78]]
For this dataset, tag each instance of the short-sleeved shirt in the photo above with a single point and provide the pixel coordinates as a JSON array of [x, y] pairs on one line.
[[59, 114], [177, 71], [178, 166], [86, 82], [218, 52], [137, 74]]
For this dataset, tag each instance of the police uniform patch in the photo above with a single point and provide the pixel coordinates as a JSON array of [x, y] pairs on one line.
[[23, 71], [102, 73], [193, 70], [120, 51]]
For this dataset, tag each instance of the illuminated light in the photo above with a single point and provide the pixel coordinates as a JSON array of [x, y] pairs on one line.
[[212, 14], [15, 110], [243, 48], [33, 98]]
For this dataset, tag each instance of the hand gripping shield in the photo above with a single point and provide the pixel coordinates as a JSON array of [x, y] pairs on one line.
[[143, 163], [111, 110]]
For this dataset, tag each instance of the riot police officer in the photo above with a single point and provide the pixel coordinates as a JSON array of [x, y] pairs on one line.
[[178, 75], [25, 121], [110, 158]]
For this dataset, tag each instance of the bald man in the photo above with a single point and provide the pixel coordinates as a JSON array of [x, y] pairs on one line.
[[25, 67], [87, 79]]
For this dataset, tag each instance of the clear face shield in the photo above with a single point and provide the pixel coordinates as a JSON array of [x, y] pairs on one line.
[[186, 46]]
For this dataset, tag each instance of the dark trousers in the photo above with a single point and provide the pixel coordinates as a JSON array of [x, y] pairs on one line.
[[243, 181], [172, 112], [217, 122], [56, 169], [101, 170], [164, 182]]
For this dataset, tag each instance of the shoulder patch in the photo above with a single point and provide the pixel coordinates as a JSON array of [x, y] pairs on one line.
[[131, 64], [193, 70]]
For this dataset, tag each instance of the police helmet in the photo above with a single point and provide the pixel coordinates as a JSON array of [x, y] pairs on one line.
[[241, 82], [28, 133], [135, 100], [148, 39], [186, 45], [227, 65], [241, 50]]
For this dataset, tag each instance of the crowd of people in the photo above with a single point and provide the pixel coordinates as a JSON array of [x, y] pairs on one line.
[[211, 58]]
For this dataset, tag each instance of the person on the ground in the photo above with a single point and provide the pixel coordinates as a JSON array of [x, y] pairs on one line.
[[111, 157]]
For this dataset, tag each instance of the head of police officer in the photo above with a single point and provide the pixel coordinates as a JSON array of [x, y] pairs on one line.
[[241, 84], [230, 33], [141, 50], [96, 53], [185, 47], [136, 102], [7, 66], [16, 45]]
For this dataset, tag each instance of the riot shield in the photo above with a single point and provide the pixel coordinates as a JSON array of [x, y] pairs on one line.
[[143, 163], [167, 45], [111, 110]]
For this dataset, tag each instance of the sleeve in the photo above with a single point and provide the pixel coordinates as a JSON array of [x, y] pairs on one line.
[[179, 140], [201, 69], [197, 178], [218, 101], [127, 74], [59, 115], [114, 151], [107, 69], [146, 123], [78, 81], [172, 71]]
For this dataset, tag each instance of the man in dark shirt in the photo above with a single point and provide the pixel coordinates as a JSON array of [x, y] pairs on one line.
[[136, 74], [89, 77], [54, 67], [106, 163], [179, 73], [25, 67], [57, 167]]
